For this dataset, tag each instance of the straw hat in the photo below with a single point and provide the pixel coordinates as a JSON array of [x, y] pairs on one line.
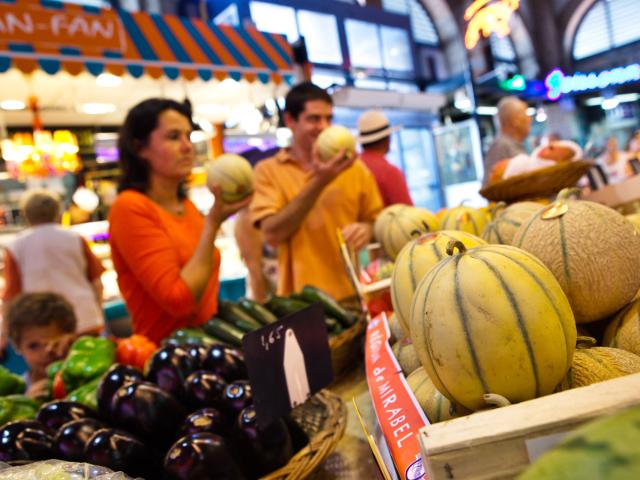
[[373, 125]]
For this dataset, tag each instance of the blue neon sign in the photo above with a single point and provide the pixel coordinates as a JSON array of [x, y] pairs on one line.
[[558, 83]]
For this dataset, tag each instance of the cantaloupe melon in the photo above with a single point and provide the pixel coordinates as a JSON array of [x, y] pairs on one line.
[[397, 333], [597, 364], [634, 218], [384, 217], [233, 174], [624, 330], [405, 353], [414, 261], [605, 449], [591, 249], [492, 319], [436, 406], [403, 224], [466, 219], [332, 140], [506, 222]]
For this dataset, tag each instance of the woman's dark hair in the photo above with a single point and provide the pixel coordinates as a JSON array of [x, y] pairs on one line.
[[134, 134], [302, 93]]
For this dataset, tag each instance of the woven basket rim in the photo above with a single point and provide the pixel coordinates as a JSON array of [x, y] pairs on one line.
[[538, 183], [303, 463]]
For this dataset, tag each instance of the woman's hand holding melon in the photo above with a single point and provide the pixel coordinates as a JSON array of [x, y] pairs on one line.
[[222, 210]]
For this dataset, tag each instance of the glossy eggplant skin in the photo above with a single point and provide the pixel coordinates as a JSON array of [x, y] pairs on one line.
[[204, 389], [26, 440], [112, 380], [268, 448], [201, 456], [206, 420], [148, 412], [121, 451], [55, 414], [227, 362], [169, 367], [73, 436], [237, 396], [198, 353]]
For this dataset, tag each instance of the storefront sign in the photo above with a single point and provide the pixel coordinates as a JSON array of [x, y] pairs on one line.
[[558, 83], [397, 410], [288, 361], [486, 17], [28, 22]]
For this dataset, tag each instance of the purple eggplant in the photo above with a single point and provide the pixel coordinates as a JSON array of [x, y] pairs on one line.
[[208, 420], [55, 414], [148, 412], [26, 440], [201, 456], [169, 367], [121, 451], [73, 436], [237, 396], [225, 361], [268, 448], [117, 376], [204, 389], [198, 353]]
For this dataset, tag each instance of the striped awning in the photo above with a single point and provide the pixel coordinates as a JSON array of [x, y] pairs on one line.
[[49, 35]]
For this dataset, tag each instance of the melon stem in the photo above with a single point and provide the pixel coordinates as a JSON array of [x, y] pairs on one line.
[[567, 193], [582, 341], [453, 244], [495, 400], [496, 208]]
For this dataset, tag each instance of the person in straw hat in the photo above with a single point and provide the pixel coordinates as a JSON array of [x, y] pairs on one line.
[[375, 139]]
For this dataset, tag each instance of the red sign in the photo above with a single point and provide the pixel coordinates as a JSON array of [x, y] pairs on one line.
[[398, 412], [50, 28]]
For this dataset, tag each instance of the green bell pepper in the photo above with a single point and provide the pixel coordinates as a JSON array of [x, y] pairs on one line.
[[17, 407], [87, 394], [10, 383], [88, 358]]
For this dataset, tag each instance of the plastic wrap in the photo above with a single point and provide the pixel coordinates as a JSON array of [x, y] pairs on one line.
[[58, 470]]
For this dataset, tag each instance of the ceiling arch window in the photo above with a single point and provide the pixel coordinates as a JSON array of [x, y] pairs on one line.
[[422, 27], [608, 24]]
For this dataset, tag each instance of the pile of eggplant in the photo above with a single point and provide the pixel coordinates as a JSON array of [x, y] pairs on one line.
[[190, 417]]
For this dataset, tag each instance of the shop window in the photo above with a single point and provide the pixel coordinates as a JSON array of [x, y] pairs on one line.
[[403, 87], [272, 18], [364, 44], [326, 78], [607, 24], [422, 27], [502, 48], [396, 49], [320, 32], [370, 83]]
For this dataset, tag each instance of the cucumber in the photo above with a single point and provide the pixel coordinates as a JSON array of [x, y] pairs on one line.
[[257, 311], [234, 315], [224, 331], [329, 304], [282, 306]]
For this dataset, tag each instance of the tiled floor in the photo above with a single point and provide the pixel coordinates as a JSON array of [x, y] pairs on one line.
[[352, 458]]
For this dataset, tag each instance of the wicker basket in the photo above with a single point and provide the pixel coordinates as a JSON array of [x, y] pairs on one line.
[[544, 182], [323, 418], [344, 347]]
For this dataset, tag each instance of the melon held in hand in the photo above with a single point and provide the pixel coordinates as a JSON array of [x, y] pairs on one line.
[[332, 140], [492, 319], [233, 174]]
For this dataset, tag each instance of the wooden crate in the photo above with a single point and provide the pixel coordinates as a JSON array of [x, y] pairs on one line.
[[495, 444]]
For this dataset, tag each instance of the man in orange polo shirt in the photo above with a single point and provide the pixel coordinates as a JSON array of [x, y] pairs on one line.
[[300, 202]]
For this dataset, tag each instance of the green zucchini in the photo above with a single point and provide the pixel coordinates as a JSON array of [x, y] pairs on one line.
[[224, 331], [282, 306], [191, 336], [330, 306], [257, 311], [236, 316]]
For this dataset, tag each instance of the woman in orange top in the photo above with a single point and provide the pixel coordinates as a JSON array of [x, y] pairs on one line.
[[162, 247]]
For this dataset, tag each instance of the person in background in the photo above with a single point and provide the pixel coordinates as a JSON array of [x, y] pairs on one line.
[[300, 202], [250, 244], [48, 258], [374, 133], [615, 162], [515, 126], [162, 247], [41, 327]]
